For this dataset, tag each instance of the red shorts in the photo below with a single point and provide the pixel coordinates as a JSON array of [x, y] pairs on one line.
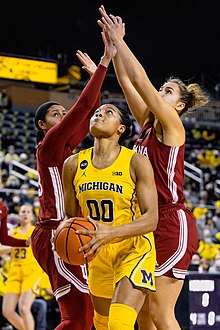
[[61, 274], [68, 282], [176, 240]]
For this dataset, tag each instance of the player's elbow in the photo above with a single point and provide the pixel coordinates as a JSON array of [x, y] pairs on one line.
[[154, 226], [153, 220]]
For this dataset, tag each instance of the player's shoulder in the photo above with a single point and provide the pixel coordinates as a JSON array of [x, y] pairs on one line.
[[140, 157], [70, 164], [139, 160]]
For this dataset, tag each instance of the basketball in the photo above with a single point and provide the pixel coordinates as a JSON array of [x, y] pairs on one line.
[[67, 242]]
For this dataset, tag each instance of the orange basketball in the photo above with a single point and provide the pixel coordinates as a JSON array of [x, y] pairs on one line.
[[67, 242]]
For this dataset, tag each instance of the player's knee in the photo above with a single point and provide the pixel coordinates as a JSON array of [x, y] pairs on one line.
[[7, 311], [121, 317], [161, 317], [24, 309], [100, 321]]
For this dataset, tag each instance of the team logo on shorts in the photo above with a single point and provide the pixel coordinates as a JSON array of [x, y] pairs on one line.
[[146, 277], [83, 164]]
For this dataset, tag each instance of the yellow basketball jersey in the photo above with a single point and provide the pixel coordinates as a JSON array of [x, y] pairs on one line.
[[107, 194], [22, 255]]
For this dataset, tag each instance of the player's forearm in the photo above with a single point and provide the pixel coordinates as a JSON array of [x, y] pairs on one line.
[[5, 239], [15, 242], [74, 119], [144, 224], [139, 77], [131, 65], [5, 250], [105, 60]]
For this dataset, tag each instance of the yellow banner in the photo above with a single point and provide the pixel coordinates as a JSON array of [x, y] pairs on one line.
[[28, 70]]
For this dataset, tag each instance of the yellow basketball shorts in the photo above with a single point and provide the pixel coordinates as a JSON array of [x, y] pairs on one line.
[[22, 278], [134, 258]]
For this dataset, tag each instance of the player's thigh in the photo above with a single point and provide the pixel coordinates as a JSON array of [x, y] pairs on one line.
[[101, 276], [126, 293], [164, 299], [101, 305], [9, 302], [14, 280], [30, 274]]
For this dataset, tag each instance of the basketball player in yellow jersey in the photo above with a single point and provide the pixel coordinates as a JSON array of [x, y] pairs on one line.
[[114, 186], [23, 273]]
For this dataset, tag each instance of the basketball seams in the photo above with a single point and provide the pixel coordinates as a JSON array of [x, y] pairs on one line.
[[81, 241], [67, 244], [67, 241], [77, 222]]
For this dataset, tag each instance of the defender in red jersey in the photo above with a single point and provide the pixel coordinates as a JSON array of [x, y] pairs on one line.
[[6, 239], [59, 133], [162, 140]]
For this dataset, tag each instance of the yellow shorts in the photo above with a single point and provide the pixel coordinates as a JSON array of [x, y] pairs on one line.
[[134, 258], [22, 278], [2, 285]]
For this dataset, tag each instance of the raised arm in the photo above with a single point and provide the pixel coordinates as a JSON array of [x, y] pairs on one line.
[[77, 118], [166, 114], [6, 239], [135, 102], [87, 63]]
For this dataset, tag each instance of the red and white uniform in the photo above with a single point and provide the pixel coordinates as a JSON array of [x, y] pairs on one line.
[[176, 236], [69, 283]]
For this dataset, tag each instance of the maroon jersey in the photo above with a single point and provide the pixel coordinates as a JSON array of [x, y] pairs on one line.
[[68, 282], [167, 163], [59, 143], [176, 236], [5, 239]]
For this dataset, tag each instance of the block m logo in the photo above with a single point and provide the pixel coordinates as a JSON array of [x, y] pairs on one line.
[[146, 277]]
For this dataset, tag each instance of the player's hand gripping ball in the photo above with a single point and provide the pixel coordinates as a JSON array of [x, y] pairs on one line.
[[67, 242]]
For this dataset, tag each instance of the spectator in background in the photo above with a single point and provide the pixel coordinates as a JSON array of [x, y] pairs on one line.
[[200, 224], [208, 135], [215, 267], [32, 162], [23, 157], [12, 182], [207, 248], [216, 215], [200, 210], [44, 293], [7, 139], [25, 194], [212, 228], [39, 311], [204, 265], [195, 262], [11, 154]]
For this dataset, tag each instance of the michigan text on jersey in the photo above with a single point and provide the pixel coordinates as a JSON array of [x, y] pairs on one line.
[[100, 185]]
